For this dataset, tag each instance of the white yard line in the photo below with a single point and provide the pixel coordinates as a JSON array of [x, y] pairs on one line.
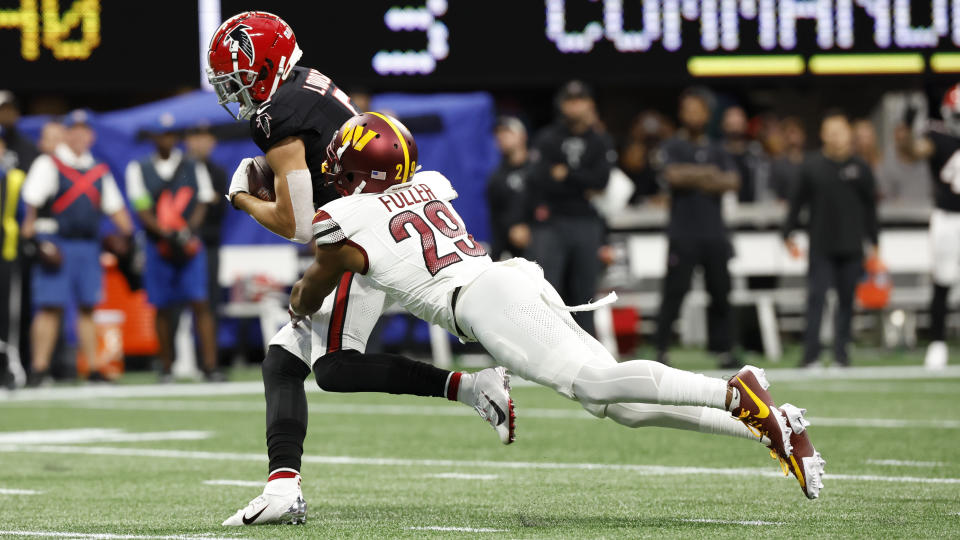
[[463, 476], [905, 463], [732, 522], [456, 529], [241, 483], [786, 375], [96, 435], [7, 491], [437, 410], [110, 536], [647, 470]]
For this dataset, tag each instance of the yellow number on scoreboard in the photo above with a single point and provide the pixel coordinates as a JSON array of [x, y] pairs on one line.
[[83, 14]]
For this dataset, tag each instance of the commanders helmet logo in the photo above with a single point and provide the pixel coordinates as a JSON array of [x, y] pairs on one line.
[[240, 36]]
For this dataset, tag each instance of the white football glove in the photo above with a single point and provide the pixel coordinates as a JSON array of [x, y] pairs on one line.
[[239, 183]]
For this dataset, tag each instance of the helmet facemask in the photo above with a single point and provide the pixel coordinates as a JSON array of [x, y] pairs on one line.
[[231, 88]]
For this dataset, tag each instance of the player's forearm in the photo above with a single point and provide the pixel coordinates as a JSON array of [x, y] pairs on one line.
[[268, 214], [307, 297]]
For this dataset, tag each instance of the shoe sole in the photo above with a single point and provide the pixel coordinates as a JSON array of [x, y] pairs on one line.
[[512, 415]]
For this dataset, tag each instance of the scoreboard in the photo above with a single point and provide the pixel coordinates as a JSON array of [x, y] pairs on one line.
[[94, 45]]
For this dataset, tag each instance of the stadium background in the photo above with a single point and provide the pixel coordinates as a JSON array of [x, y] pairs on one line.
[[142, 460], [132, 65]]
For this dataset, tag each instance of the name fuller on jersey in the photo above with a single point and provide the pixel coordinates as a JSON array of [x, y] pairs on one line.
[[417, 193]]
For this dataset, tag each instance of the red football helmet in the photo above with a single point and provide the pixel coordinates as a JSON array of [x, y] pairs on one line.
[[249, 55], [950, 109], [369, 153]]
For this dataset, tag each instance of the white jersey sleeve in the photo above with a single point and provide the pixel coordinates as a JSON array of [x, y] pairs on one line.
[[417, 247]]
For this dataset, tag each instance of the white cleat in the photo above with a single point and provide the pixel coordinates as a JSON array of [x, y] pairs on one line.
[[275, 505], [936, 358], [493, 402]]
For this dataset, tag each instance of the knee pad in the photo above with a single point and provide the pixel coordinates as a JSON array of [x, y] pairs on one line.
[[326, 368]]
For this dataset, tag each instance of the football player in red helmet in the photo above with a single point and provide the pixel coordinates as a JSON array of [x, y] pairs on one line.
[[403, 233], [940, 145], [293, 111]]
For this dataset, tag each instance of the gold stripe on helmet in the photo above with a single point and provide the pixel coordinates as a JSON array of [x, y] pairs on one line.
[[403, 145]]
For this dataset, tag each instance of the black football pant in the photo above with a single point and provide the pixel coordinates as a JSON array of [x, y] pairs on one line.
[[684, 256], [938, 313], [842, 273], [341, 371], [567, 248]]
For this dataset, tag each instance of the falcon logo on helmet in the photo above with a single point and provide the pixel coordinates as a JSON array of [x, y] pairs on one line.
[[240, 36], [370, 153], [249, 56]]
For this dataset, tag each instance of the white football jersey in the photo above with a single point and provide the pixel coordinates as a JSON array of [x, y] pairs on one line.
[[416, 245]]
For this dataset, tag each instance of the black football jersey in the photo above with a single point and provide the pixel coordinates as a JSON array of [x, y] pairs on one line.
[[945, 164], [307, 105]]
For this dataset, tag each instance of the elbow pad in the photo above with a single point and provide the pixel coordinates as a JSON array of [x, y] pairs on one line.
[[300, 186]]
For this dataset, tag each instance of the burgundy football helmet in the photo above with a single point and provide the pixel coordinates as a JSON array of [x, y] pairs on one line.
[[249, 56], [369, 153]]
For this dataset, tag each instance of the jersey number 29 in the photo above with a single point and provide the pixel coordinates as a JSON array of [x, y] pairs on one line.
[[444, 221]]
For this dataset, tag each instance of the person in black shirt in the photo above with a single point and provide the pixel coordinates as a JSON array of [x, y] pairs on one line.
[[840, 193], [698, 172], [941, 147], [507, 192], [570, 162]]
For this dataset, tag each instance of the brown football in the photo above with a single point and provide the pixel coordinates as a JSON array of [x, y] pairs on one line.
[[260, 179]]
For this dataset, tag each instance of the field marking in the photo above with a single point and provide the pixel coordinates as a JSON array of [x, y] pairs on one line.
[[905, 463], [97, 435], [463, 476], [787, 375], [732, 521], [456, 529], [242, 483], [648, 470], [442, 410], [111, 536], [8, 491]]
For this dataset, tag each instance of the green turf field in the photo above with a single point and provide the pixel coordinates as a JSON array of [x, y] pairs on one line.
[[385, 466]]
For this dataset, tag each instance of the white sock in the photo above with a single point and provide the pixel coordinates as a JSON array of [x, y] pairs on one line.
[[281, 481], [679, 387], [720, 422], [466, 394]]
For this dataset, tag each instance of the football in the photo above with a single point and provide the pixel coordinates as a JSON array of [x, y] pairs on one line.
[[260, 179]]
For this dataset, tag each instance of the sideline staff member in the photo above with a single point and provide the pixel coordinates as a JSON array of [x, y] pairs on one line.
[[698, 172], [570, 162], [841, 194], [66, 194]]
